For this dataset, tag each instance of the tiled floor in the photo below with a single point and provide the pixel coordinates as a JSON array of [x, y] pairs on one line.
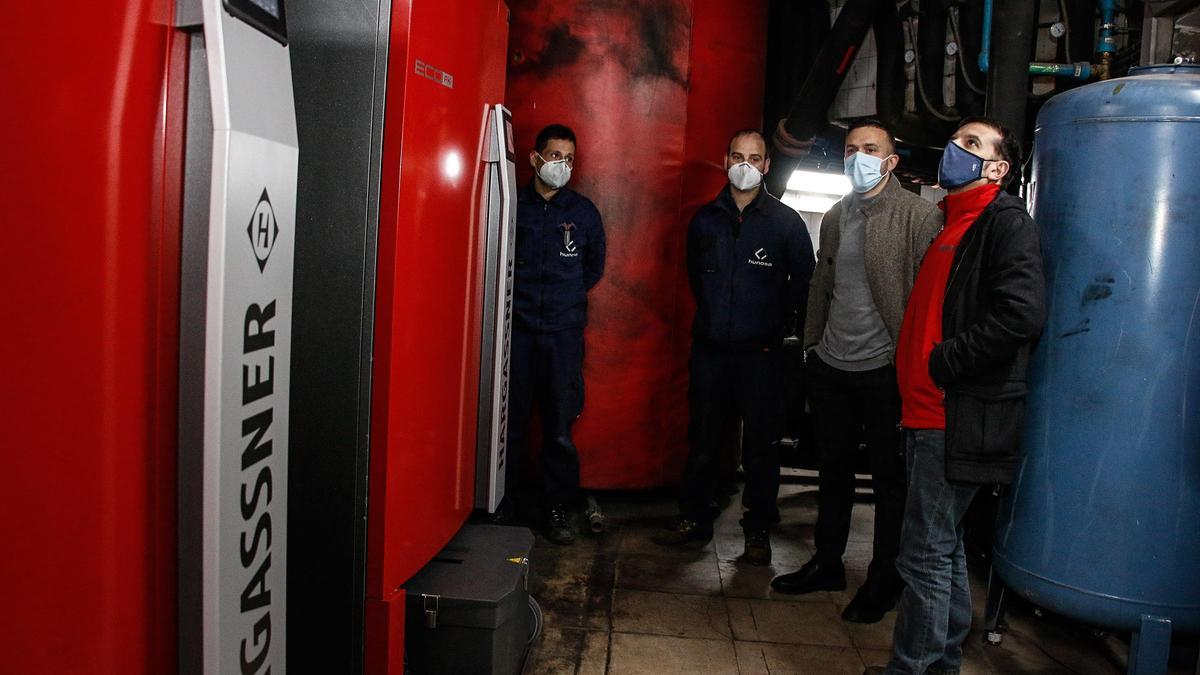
[[620, 604]]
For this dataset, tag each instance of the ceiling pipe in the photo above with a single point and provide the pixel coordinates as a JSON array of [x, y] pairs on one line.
[[1009, 42], [890, 83], [795, 134], [810, 107], [1078, 71]]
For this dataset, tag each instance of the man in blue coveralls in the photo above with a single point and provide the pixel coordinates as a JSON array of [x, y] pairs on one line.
[[559, 257], [749, 261]]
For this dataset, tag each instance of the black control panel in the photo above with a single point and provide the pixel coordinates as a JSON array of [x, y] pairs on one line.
[[268, 16]]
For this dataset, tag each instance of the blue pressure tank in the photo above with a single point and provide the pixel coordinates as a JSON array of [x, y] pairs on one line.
[[1103, 520]]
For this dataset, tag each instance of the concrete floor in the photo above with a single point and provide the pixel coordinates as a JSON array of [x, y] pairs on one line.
[[622, 605]]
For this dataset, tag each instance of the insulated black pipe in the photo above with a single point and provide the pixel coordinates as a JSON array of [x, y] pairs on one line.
[[809, 111], [931, 54], [796, 31], [970, 38], [810, 107], [1081, 20], [1014, 23], [890, 83]]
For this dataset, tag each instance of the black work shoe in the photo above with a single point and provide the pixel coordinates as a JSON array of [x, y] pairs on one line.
[[758, 548], [559, 528], [813, 576], [684, 532], [870, 603]]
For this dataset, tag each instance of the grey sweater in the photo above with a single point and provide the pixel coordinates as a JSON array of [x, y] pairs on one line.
[[855, 337], [899, 227]]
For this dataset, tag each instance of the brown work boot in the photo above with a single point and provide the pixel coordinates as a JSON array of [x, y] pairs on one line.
[[684, 533]]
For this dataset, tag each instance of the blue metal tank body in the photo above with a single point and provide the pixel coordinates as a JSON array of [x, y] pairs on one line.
[[1103, 520]]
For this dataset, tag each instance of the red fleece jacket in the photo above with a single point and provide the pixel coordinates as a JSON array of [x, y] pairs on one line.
[[921, 400]]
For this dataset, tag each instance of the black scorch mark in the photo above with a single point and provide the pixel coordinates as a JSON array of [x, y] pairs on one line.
[[562, 50], [1081, 327], [1099, 289], [655, 48], [658, 29]]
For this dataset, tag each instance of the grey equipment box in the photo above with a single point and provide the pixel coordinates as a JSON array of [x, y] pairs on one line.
[[467, 611]]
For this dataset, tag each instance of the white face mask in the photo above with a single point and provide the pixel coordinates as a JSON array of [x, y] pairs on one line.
[[556, 173], [744, 176]]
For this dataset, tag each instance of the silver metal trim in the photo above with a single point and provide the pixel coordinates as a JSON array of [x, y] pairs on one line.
[[499, 210]]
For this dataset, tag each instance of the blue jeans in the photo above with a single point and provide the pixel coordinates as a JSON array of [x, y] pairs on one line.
[[934, 615]]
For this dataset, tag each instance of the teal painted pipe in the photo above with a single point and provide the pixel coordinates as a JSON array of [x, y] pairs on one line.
[[1078, 71], [985, 47], [1108, 32]]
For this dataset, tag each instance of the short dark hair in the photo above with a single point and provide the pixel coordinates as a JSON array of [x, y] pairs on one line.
[[1009, 148], [861, 122], [749, 132], [551, 132]]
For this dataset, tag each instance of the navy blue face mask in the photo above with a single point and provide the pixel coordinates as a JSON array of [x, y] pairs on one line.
[[959, 166]]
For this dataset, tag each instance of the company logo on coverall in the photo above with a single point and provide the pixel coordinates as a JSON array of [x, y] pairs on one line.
[[760, 258], [568, 243]]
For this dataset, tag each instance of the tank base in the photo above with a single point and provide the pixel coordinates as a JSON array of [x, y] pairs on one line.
[[1097, 608], [1151, 646], [993, 613]]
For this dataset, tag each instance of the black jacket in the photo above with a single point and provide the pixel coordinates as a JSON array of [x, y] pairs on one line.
[[749, 271], [559, 257], [994, 309]]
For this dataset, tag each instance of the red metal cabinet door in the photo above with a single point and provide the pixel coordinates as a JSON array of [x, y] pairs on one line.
[[92, 104], [445, 66]]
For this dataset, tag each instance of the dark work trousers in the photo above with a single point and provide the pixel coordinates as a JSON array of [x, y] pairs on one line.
[[724, 385], [849, 407], [546, 370]]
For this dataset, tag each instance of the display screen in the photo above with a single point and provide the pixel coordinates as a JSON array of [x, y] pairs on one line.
[[270, 7], [267, 16]]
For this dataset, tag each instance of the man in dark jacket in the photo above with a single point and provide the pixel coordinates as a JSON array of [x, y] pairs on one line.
[[559, 258], [749, 261], [872, 242], [976, 308]]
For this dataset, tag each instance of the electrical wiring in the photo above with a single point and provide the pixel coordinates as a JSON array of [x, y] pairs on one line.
[[963, 63], [1065, 20], [920, 84]]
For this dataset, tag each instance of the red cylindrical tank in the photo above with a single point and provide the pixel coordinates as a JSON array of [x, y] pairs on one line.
[[653, 90]]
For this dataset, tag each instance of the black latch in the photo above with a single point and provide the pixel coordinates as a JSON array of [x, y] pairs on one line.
[[431, 609]]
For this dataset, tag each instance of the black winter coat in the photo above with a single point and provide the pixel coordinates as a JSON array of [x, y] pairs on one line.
[[749, 272], [994, 310]]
